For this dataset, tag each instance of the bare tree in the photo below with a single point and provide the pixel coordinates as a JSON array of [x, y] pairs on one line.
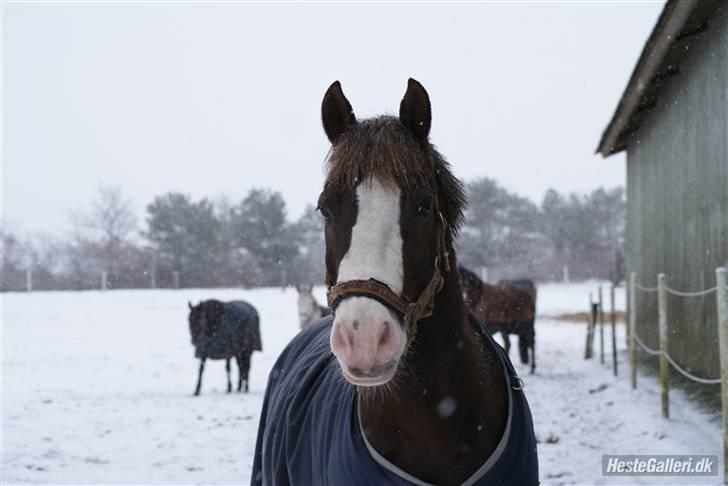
[[112, 216], [105, 233]]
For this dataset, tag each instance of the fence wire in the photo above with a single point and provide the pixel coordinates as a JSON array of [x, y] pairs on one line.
[[690, 376], [680, 293], [645, 289], [698, 293], [646, 348], [657, 352], [680, 369]]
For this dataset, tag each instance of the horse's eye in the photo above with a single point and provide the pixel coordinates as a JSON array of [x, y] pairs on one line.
[[424, 208], [324, 212]]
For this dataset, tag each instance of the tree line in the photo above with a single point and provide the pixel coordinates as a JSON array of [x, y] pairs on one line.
[[206, 242], [514, 237]]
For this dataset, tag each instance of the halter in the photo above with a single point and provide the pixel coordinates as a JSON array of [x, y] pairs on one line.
[[411, 311]]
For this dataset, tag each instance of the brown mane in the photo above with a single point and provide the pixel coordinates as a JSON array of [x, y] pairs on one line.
[[383, 148]]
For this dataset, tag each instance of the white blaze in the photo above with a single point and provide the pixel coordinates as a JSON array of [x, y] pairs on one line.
[[366, 334], [375, 252], [376, 241]]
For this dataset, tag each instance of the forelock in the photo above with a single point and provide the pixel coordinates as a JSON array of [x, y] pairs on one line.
[[384, 149]]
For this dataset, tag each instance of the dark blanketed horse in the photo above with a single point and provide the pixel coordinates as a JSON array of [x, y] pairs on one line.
[[225, 330], [509, 307], [401, 385]]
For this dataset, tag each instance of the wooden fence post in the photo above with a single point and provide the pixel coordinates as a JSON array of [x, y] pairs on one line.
[[601, 326], [28, 280], [104, 280], [593, 309], [593, 326], [626, 316], [153, 273], [566, 274], [633, 327], [662, 325], [614, 329], [591, 322], [175, 279], [721, 280], [588, 330]]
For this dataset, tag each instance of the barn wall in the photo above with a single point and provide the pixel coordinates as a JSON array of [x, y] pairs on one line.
[[677, 190]]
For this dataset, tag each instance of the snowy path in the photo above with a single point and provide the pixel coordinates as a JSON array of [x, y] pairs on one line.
[[96, 387], [581, 411]]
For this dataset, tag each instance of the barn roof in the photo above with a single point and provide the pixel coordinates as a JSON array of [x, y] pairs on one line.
[[680, 24]]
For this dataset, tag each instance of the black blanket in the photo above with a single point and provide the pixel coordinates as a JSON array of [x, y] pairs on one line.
[[237, 329]]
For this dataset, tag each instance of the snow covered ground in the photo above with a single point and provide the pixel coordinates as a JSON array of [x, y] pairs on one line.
[[555, 299], [97, 387]]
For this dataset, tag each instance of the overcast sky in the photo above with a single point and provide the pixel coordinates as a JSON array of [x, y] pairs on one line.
[[213, 99]]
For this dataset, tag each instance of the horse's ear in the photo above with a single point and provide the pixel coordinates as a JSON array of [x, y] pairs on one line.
[[415, 112], [189, 304], [336, 112]]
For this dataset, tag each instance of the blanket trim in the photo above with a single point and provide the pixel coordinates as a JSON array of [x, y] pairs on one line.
[[478, 474]]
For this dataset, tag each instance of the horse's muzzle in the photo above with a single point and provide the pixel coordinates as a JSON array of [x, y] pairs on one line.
[[368, 340], [377, 376]]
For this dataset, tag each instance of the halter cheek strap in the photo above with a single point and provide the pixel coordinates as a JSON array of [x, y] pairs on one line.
[[411, 311]]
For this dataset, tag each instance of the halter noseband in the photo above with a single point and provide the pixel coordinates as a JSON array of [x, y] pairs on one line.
[[411, 311]]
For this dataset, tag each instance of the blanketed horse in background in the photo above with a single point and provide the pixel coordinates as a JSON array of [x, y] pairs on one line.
[[401, 385], [525, 283], [508, 307], [309, 310], [223, 330]]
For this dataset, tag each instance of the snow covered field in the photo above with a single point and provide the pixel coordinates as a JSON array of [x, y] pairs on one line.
[[97, 387]]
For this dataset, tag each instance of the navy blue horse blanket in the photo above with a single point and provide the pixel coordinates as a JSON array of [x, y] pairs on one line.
[[310, 434], [235, 328]]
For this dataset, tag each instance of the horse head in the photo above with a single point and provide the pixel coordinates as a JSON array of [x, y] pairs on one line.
[[391, 207]]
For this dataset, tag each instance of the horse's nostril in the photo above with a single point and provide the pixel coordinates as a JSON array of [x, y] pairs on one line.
[[342, 339], [385, 334]]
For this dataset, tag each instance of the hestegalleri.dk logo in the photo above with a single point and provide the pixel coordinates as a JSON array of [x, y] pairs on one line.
[[663, 465]]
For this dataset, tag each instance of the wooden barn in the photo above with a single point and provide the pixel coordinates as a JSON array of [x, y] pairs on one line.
[[672, 121]]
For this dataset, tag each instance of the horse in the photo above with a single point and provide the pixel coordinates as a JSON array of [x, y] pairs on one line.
[[309, 310], [223, 330], [526, 284], [401, 384], [509, 307], [526, 339]]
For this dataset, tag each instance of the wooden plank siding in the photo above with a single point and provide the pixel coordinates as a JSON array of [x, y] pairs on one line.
[[677, 200]]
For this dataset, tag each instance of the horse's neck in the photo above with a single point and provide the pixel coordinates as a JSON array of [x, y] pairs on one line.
[[446, 409], [306, 303]]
